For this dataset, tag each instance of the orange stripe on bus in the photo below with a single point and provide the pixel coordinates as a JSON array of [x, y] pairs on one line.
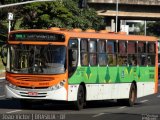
[[156, 70]]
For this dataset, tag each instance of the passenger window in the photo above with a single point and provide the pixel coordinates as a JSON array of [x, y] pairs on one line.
[[84, 59], [122, 53], [132, 53], [151, 53], [111, 48], [142, 54], [122, 60], [72, 55], [151, 47], [84, 45], [84, 52], [151, 59], [93, 59], [132, 59], [112, 59], [131, 47], [122, 46], [93, 46], [101, 46], [93, 52], [102, 57], [141, 47], [142, 59]]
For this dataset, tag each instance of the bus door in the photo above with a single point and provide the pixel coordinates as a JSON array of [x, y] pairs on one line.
[[2, 89]]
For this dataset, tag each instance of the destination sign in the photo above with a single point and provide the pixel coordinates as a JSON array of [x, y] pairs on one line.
[[37, 36]]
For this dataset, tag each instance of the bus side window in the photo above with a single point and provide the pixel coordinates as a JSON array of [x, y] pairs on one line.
[[111, 48], [132, 53], [142, 54], [102, 56], [84, 52], [142, 59], [84, 59], [72, 55], [93, 52], [151, 53], [122, 53]]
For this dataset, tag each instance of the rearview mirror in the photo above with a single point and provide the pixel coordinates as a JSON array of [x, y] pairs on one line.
[[4, 54]]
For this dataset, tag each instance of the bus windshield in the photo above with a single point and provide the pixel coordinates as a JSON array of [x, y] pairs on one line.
[[37, 59]]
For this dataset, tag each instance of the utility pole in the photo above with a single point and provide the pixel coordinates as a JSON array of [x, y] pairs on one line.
[[145, 27], [82, 3], [10, 18], [116, 15]]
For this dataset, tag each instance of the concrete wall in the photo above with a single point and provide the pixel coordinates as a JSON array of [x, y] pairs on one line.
[[146, 10], [136, 2], [128, 9]]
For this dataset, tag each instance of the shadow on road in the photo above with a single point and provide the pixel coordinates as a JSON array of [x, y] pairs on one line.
[[9, 104], [58, 106]]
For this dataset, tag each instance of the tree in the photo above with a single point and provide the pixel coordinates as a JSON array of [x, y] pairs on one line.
[[3, 27], [153, 28], [3, 17], [64, 14]]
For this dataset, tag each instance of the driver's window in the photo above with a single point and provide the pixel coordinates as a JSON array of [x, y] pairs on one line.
[[72, 55]]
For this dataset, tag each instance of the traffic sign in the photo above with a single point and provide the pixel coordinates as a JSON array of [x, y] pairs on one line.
[[10, 16]]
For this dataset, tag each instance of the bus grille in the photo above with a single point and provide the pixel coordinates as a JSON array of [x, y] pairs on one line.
[[25, 94], [35, 79]]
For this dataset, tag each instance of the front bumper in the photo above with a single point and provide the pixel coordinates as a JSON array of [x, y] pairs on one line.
[[43, 94]]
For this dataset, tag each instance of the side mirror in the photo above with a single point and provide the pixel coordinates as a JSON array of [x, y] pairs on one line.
[[4, 54]]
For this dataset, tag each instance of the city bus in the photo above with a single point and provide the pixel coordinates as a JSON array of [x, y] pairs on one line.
[[79, 66]]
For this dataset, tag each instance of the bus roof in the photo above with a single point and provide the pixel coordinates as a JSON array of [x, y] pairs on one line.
[[93, 34]]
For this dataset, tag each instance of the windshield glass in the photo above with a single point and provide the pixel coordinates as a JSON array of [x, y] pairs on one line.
[[37, 59]]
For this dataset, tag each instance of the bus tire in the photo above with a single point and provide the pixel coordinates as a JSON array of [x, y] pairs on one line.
[[25, 104], [132, 97], [80, 102]]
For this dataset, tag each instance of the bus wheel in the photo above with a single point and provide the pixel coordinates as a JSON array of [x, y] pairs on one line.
[[132, 95], [80, 98], [25, 104]]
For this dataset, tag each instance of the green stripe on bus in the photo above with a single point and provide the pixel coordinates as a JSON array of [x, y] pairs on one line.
[[102, 75]]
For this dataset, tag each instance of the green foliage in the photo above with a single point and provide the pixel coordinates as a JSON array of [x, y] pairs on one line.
[[153, 28], [3, 2], [3, 34], [64, 14], [16, 10]]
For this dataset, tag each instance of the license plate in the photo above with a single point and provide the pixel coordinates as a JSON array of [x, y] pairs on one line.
[[32, 93]]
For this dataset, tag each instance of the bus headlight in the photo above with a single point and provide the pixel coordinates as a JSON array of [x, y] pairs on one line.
[[58, 86], [11, 85]]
